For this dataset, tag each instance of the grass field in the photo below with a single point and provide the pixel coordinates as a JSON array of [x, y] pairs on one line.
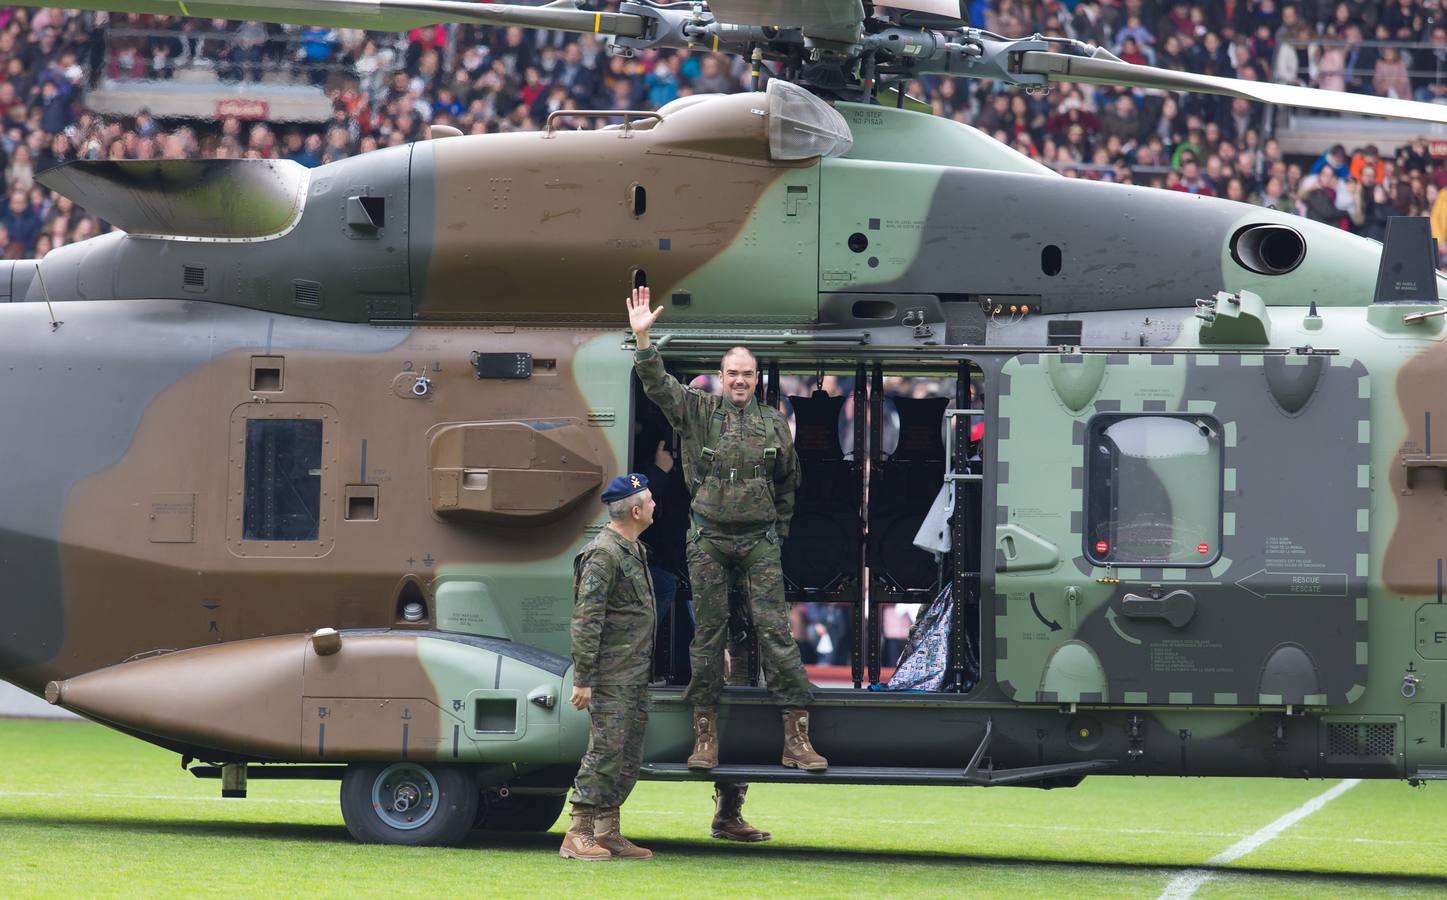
[[87, 812]]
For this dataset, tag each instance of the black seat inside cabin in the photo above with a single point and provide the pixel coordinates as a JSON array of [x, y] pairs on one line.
[[903, 486], [821, 557]]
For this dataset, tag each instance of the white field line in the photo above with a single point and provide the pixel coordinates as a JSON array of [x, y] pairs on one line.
[[1187, 883]]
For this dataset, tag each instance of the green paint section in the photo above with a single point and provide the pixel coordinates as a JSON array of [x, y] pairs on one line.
[[532, 602], [886, 134], [468, 607], [767, 275], [1076, 380], [1025, 551], [1040, 494], [1390, 320], [885, 204], [505, 710], [1339, 269], [1073, 670], [889, 98]]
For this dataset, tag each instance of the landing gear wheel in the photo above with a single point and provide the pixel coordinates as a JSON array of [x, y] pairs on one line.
[[415, 804], [521, 812]]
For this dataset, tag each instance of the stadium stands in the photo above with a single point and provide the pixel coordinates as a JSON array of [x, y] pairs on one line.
[[234, 89]]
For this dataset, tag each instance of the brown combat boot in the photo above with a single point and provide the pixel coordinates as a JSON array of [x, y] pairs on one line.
[[728, 819], [798, 752], [610, 836], [705, 739], [579, 842]]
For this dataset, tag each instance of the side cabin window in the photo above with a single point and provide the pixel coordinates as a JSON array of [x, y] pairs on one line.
[[1153, 494], [283, 489]]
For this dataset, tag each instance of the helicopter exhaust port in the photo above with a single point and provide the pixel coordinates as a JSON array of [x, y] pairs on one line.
[[1268, 249]]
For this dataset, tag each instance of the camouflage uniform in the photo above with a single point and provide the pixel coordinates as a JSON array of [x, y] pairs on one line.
[[743, 499], [613, 623]]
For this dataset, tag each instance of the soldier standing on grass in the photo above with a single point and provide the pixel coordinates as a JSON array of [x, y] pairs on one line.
[[739, 462], [613, 622]]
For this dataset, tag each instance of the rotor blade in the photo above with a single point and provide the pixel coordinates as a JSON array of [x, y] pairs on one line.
[[1062, 67], [385, 15], [946, 9], [804, 14]]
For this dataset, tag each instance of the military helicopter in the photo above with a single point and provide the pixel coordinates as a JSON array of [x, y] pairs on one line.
[[299, 459]]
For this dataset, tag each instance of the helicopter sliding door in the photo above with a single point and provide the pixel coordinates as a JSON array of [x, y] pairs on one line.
[[1182, 528]]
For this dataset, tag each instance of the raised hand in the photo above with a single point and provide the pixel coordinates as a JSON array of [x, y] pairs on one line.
[[640, 316]]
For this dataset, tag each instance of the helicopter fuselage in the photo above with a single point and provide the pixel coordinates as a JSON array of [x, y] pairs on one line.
[[224, 442]]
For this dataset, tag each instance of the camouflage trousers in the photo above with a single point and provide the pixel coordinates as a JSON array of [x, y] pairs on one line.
[[762, 588], [618, 718]]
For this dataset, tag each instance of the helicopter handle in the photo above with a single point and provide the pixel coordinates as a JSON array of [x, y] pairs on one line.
[[629, 116]]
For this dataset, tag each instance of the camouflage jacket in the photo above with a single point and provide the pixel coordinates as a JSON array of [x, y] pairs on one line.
[[747, 482], [613, 612]]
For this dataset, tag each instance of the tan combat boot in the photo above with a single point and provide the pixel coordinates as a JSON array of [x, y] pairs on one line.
[[798, 752], [579, 842], [728, 819], [705, 739], [610, 836]]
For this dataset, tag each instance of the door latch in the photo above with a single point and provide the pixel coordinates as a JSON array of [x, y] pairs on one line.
[[1177, 607]]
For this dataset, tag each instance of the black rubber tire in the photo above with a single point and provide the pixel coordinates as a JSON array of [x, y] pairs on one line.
[[456, 806], [521, 812]]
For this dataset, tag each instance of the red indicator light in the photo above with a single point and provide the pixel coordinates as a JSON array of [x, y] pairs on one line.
[[1101, 546], [1203, 549]]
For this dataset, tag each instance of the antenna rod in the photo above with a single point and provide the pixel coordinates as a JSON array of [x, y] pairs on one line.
[[54, 324]]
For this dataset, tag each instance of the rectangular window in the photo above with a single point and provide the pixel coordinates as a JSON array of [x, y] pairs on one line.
[[1153, 494], [283, 480]]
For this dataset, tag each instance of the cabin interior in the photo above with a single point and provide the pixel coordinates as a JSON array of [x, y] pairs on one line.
[[877, 444]]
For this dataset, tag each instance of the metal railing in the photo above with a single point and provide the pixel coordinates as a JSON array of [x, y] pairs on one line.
[[162, 53]]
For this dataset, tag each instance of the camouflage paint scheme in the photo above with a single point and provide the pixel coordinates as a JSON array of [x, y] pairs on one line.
[[125, 582]]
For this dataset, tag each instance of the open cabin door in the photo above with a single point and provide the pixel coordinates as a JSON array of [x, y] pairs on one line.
[[1182, 528]]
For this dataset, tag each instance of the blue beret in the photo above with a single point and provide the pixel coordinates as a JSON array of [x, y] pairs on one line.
[[625, 486]]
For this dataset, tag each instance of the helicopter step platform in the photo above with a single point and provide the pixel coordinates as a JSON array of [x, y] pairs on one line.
[[1055, 774]]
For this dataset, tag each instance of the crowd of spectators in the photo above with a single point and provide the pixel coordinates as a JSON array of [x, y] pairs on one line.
[[386, 88]]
